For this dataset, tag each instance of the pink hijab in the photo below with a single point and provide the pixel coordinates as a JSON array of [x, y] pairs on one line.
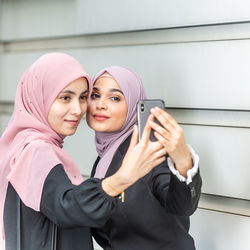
[[133, 90], [29, 148]]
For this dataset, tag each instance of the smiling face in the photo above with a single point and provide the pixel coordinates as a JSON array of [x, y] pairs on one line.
[[69, 107], [107, 109]]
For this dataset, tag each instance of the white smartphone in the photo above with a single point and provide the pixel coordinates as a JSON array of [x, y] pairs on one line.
[[143, 111]]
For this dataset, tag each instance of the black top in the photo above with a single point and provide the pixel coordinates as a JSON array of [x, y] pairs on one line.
[[72, 208], [155, 213]]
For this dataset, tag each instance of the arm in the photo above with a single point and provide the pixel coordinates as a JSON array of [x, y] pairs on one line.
[[191, 172], [177, 197], [69, 206], [171, 136], [184, 191], [92, 202]]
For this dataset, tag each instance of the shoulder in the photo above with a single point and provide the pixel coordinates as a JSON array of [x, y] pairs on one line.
[[37, 144], [39, 149]]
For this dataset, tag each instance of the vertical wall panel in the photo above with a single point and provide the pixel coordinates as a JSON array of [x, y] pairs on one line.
[[1, 22], [29, 19], [224, 159], [12, 68], [95, 16], [220, 231], [196, 75]]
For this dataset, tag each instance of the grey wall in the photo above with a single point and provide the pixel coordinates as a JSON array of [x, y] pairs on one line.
[[193, 54]]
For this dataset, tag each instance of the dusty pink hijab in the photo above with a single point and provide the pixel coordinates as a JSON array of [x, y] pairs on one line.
[[29, 148], [133, 90]]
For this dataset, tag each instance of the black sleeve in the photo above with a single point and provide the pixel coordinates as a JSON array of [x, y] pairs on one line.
[[68, 205], [176, 196]]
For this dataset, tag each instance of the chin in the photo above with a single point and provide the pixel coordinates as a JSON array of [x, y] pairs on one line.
[[69, 133], [102, 128]]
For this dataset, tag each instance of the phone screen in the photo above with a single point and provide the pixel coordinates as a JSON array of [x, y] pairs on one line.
[[143, 111]]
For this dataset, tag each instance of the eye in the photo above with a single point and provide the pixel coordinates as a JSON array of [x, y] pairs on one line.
[[94, 96], [65, 98], [115, 98], [83, 97]]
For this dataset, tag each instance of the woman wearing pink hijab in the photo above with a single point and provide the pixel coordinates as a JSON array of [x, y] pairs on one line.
[[154, 212], [44, 202]]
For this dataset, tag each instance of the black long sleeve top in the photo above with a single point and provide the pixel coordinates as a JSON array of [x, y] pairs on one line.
[[72, 208], [155, 214]]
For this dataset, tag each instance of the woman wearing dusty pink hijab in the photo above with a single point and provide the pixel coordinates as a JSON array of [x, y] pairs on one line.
[[154, 212], [44, 202]]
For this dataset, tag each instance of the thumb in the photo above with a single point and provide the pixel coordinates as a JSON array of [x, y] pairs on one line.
[[134, 138]]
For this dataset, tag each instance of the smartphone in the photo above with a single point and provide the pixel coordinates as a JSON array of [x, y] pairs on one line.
[[143, 111]]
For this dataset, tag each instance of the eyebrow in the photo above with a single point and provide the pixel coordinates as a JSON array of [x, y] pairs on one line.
[[72, 92], [110, 90]]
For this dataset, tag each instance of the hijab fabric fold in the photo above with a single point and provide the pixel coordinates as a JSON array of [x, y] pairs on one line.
[[29, 148], [133, 90]]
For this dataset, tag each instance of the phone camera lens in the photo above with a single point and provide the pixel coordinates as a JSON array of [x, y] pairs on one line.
[[142, 107]]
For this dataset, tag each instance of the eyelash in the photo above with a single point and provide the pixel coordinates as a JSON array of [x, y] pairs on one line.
[[67, 98], [84, 97], [94, 96], [113, 98]]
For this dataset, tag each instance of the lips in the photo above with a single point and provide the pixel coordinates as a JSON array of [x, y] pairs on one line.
[[100, 117], [72, 122]]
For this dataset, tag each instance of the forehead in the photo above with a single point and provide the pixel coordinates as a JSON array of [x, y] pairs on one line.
[[80, 83], [106, 82]]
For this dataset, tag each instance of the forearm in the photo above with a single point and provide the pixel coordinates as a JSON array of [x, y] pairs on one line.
[[114, 185], [188, 175], [177, 197], [117, 183], [182, 198], [73, 206]]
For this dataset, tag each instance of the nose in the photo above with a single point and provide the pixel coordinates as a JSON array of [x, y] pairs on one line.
[[101, 104], [77, 108]]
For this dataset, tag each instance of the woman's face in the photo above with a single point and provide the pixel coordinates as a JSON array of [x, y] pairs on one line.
[[68, 108], [107, 108]]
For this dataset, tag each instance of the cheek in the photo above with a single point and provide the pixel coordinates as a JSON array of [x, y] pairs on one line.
[[88, 114], [91, 105], [122, 114], [90, 108], [56, 112], [84, 107]]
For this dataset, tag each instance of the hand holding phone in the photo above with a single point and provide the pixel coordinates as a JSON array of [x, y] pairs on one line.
[[143, 111]]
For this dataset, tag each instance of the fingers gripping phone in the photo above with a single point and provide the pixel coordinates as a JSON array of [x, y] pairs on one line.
[[143, 111]]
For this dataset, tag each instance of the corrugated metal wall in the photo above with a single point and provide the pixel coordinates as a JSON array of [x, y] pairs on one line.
[[193, 54]]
